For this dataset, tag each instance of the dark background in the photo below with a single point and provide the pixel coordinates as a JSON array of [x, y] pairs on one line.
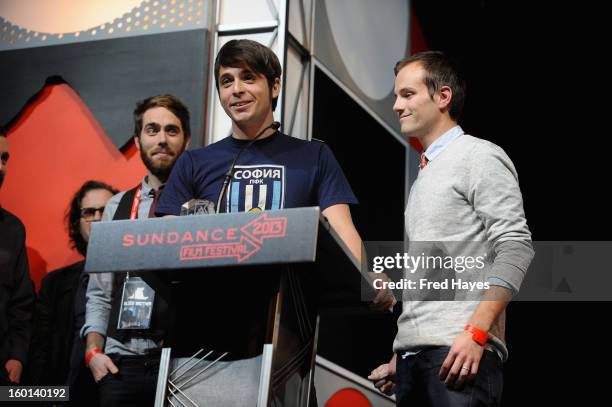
[[537, 87]]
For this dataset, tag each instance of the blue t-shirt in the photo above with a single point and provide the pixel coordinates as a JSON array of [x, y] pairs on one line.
[[273, 173]]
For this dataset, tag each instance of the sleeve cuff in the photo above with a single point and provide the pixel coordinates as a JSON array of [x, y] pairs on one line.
[[511, 262], [87, 329], [20, 355], [501, 283]]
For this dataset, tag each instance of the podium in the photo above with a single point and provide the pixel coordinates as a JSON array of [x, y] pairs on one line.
[[241, 285]]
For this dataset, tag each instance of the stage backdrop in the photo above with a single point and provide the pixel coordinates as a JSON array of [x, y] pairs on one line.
[[71, 73]]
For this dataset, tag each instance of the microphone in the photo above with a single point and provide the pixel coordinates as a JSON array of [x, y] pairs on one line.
[[230, 173]]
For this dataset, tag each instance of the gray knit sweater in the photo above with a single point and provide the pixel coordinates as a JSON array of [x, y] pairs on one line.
[[468, 193]]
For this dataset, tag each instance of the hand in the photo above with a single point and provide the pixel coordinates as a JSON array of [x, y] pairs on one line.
[[462, 362], [384, 300], [14, 368], [101, 365], [383, 377]]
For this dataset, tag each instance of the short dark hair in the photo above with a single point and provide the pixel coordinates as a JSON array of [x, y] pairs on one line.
[[2, 131], [73, 215], [249, 54], [440, 70], [171, 103]]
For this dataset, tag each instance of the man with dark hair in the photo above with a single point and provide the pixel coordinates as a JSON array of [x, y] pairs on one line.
[[123, 361], [273, 171], [16, 288], [450, 353], [87, 205], [56, 351], [293, 172], [252, 56]]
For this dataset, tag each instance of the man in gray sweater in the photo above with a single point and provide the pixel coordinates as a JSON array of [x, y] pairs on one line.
[[450, 353]]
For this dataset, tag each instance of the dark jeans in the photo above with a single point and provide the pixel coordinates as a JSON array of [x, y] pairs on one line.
[[418, 383], [83, 388], [133, 385]]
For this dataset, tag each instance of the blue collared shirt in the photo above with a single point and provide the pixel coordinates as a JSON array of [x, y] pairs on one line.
[[442, 142]]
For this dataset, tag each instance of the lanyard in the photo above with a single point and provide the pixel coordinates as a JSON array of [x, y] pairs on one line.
[[136, 203], [134, 213]]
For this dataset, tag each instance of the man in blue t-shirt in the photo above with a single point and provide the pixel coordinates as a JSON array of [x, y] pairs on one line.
[[270, 170], [273, 171]]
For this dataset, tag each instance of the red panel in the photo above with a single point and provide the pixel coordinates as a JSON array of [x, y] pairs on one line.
[[55, 146], [348, 398]]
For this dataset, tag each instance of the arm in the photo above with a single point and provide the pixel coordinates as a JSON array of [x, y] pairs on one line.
[[383, 376], [97, 315], [99, 289], [100, 364], [339, 217], [98, 306], [496, 197], [334, 194], [464, 357], [19, 315]]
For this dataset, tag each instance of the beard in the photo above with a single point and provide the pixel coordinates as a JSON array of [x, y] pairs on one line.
[[160, 169]]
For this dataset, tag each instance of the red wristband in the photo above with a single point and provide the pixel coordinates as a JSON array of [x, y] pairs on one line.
[[478, 335], [90, 355]]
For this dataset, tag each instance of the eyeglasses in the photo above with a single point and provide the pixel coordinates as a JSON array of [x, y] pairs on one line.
[[4, 157], [88, 214]]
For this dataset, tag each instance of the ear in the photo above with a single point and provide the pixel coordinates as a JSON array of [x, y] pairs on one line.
[[187, 143], [276, 88], [136, 141], [444, 96]]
